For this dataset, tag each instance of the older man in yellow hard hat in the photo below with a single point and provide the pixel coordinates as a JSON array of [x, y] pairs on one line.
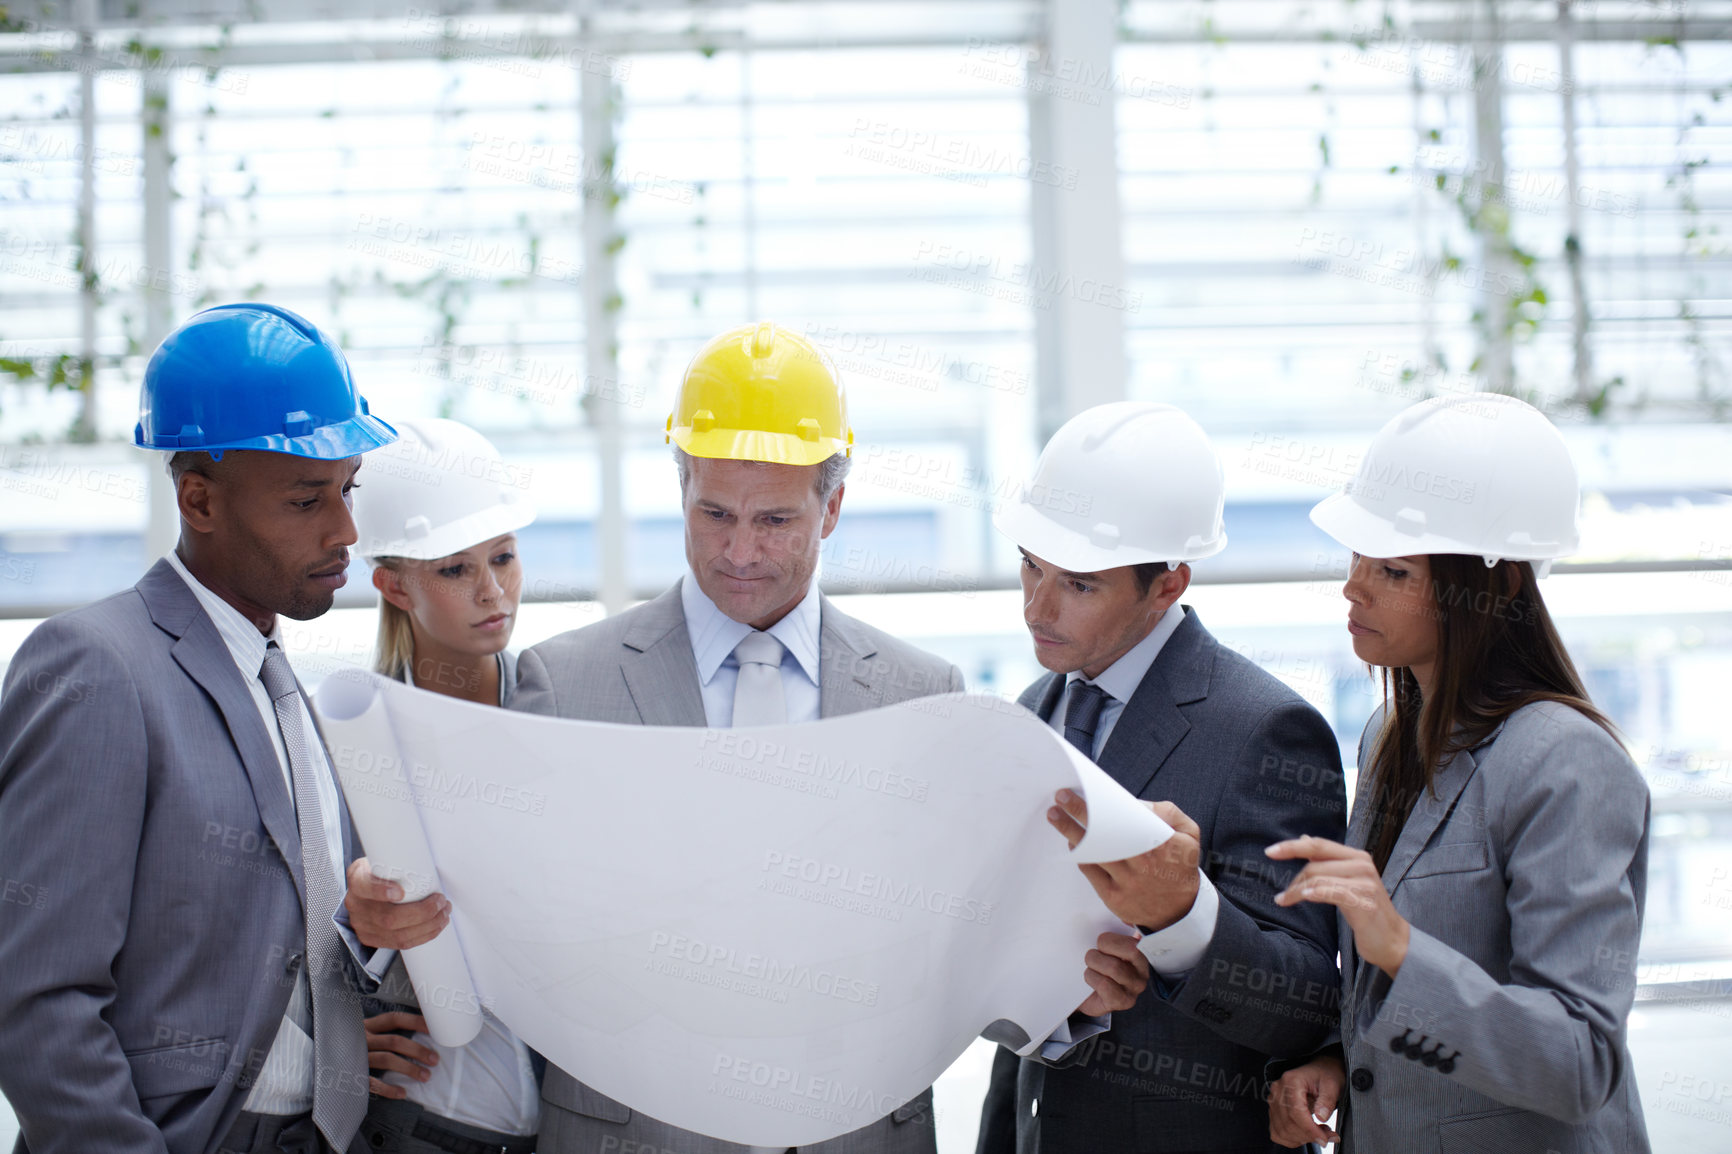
[[762, 442]]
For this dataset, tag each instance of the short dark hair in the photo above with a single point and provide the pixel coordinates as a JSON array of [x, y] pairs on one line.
[[1146, 574], [189, 461]]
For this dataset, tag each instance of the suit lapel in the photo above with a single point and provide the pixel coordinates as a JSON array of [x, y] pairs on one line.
[[659, 669], [845, 673], [1043, 696], [1428, 813], [201, 651], [1152, 724], [1359, 820], [1358, 833]]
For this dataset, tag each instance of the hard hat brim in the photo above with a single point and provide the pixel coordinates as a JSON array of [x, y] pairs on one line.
[[359, 434], [1366, 533], [1073, 551], [754, 445], [464, 533]]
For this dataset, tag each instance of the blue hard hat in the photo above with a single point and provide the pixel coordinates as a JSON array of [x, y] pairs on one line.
[[254, 376]]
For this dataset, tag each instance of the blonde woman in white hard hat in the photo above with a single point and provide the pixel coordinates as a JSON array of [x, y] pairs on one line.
[[1491, 888], [438, 518]]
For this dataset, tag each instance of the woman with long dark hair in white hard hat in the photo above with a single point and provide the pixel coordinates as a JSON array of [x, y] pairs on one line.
[[1491, 888], [438, 518]]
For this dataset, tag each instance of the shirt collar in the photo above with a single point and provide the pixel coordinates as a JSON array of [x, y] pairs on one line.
[[1121, 678], [714, 634], [245, 643]]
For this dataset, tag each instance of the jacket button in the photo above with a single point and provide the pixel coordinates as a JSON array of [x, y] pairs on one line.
[[292, 963], [1034, 1108], [1362, 1080]]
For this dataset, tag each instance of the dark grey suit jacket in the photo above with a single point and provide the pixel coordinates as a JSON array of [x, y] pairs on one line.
[[142, 803], [1252, 763], [638, 669]]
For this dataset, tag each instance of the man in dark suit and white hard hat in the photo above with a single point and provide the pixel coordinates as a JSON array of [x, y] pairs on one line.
[[1123, 498]]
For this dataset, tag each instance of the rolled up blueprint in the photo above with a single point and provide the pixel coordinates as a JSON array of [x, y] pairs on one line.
[[771, 935], [379, 783]]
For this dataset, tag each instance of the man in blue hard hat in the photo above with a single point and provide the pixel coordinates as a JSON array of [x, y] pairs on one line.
[[177, 983]]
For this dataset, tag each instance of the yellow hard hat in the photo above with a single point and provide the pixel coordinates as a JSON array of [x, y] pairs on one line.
[[761, 393]]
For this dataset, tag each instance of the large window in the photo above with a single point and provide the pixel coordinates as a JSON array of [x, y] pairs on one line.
[[1327, 211]]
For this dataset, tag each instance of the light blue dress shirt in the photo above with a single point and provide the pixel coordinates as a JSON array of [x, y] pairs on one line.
[[714, 635]]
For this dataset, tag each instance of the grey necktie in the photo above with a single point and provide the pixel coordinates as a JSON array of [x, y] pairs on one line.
[[339, 1044], [758, 697]]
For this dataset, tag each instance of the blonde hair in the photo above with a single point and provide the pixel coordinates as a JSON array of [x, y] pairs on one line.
[[394, 651]]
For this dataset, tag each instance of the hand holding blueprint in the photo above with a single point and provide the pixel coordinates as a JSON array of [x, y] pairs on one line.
[[772, 935]]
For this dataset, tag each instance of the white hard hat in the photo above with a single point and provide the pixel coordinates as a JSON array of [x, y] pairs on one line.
[[1485, 475], [439, 489], [1121, 484]]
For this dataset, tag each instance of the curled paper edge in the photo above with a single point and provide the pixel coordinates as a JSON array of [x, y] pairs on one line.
[[382, 801], [1119, 826]]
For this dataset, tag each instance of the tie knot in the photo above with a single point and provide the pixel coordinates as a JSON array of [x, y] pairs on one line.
[[279, 679], [759, 649], [1086, 703]]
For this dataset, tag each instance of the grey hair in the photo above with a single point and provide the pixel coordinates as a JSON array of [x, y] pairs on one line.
[[832, 471]]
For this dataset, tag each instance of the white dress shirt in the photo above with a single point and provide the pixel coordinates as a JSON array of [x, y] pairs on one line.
[[1177, 949], [714, 635], [285, 1081], [488, 1083]]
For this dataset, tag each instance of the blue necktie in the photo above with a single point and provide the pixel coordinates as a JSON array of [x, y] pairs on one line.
[[1082, 716]]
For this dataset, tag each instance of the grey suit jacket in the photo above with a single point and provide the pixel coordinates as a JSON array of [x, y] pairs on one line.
[[1524, 879], [142, 802], [637, 669], [1251, 763]]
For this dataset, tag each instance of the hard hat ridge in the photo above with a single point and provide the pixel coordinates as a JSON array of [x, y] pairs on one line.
[[254, 376], [440, 489], [1486, 475], [1091, 504], [761, 393]]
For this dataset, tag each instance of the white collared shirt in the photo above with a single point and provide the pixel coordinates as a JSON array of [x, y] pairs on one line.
[[714, 635], [489, 1082], [1177, 949], [285, 1081]]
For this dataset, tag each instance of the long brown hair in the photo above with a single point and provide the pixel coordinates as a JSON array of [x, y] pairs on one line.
[[1497, 650]]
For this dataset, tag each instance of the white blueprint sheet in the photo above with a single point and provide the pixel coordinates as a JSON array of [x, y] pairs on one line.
[[772, 935]]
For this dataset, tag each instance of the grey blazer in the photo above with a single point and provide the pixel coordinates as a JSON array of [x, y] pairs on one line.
[[637, 669], [1524, 880], [142, 803], [1251, 763]]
